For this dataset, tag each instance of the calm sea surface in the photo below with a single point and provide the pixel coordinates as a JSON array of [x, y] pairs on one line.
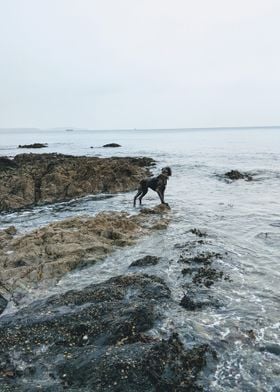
[[242, 220]]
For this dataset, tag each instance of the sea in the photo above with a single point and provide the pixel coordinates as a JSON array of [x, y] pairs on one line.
[[241, 219]]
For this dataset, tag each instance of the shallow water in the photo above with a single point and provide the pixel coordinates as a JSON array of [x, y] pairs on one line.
[[242, 222]]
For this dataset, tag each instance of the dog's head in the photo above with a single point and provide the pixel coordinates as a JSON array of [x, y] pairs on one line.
[[166, 171]]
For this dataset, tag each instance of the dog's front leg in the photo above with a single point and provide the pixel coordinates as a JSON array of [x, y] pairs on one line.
[[161, 195]]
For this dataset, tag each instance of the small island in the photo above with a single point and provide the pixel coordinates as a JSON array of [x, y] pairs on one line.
[[112, 145], [34, 145]]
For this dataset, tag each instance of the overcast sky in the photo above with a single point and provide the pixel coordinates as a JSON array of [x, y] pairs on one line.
[[112, 64]]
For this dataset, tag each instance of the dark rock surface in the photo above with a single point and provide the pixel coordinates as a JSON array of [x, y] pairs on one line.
[[201, 272], [145, 261], [3, 304], [34, 145], [236, 175], [97, 339], [48, 178], [7, 163], [112, 145]]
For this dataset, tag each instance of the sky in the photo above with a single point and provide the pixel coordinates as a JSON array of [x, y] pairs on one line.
[[125, 64]]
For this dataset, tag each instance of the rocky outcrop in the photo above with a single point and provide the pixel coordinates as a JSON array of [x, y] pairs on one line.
[[34, 145], [97, 339], [236, 175], [112, 145], [47, 178], [47, 253]]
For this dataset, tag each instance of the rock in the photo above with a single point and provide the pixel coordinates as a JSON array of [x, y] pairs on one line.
[[161, 208], [145, 261], [272, 348], [7, 163], [11, 230], [198, 233], [112, 145], [3, 303], [189, 303], [201, 258], [47, 253], [97, 339], [199, 275], [49, 178], [34, 145], [236, 175]]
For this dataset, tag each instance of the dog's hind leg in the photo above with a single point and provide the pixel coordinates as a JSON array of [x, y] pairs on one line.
[[144, 191], [137, 195]]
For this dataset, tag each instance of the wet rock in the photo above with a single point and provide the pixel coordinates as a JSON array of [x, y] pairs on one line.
[[201, 258], [48, 178], [236, 175], [199, 276], [198, 232], [112, 145], [7, 163], [11, 230], [189, 303], [145, 261], [34, 145], [141, 368], [97, 339], [186, 271], [3, 303], [161, 208], [272, 348], [207, 276], [45, 254], [251, 333]]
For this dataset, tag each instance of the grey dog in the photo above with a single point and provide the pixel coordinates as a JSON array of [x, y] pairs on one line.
[[157, 184]]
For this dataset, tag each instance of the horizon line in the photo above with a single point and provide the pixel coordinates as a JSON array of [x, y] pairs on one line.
[[139, 129]]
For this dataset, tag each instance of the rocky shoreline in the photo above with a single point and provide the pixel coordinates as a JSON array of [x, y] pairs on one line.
[[97, 338], [36, 179], [102, 337]]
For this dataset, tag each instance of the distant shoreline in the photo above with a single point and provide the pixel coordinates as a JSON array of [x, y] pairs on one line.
[[139, 129]]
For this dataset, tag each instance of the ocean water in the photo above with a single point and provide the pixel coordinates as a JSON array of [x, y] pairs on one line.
[[241, 219]]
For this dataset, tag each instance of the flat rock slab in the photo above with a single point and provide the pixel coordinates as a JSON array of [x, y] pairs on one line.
[[46, 254], [36, 179]]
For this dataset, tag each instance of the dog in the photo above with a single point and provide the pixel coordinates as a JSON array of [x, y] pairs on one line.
[[157, 184]]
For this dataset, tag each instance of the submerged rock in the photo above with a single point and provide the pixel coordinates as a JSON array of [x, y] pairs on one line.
[[145, 261], [198, 233], [34, 145], [47, 253], [48, 178], [236, 175], [97, 339]]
